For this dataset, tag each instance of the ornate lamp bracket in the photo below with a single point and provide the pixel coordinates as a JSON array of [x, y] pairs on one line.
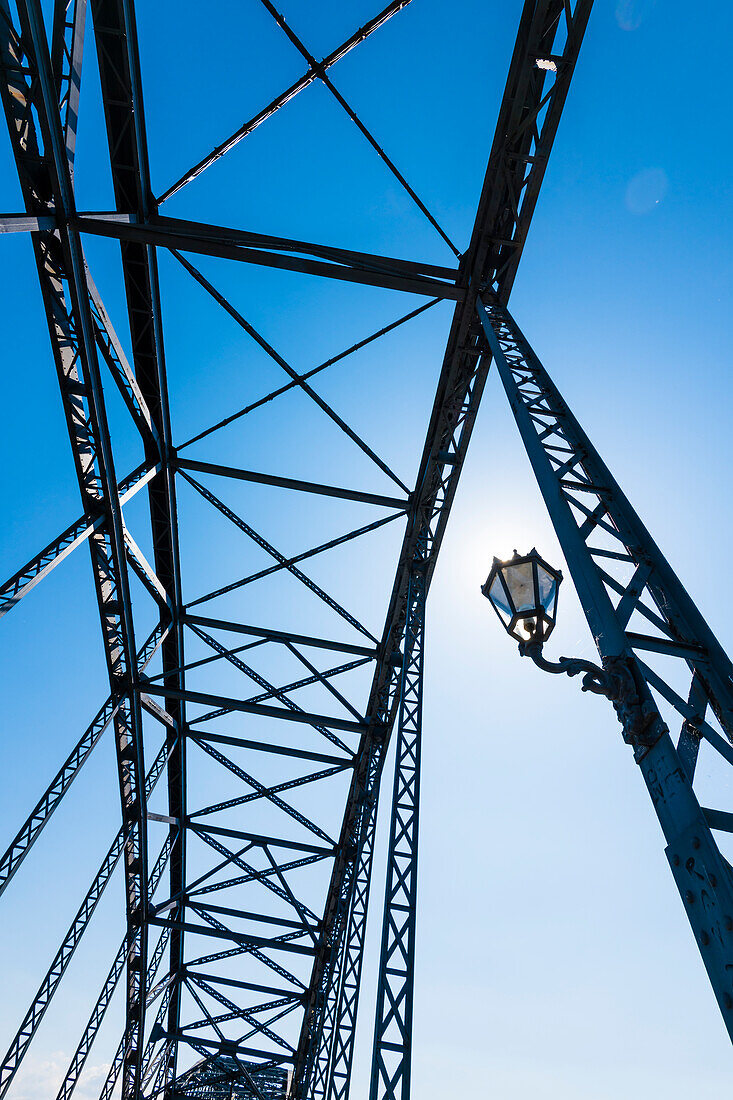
[[619, 682]]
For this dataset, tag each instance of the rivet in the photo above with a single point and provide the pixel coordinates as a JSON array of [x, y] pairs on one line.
[[713, 880], [676, 860], [696, 842], [689, 897], [728, 1000], [704, 939], [729, 924]]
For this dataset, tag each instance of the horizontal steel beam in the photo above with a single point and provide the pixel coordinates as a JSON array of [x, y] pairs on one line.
[[256, 708], [283, 636], [259, 839], [290, 483], [260, 918], [252, 248], [236, 937], [263, 746], [217, 233], [231, 1049], [25, 223], [216, 979]]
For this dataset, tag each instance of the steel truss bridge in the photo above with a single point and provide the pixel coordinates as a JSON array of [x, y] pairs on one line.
[[242, 959]]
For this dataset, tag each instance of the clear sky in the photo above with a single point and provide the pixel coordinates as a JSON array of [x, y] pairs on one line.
[[554, 958]]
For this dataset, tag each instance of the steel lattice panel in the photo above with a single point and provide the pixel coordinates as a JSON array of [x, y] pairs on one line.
[[273, 673]]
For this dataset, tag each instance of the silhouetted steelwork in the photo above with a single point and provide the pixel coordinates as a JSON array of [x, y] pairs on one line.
[[262, 917], [391, 1060], [636, 609]]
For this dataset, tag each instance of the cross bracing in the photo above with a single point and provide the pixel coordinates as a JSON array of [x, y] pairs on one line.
[[272, 684]]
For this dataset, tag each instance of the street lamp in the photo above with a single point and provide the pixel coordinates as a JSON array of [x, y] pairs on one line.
[[523, 592]]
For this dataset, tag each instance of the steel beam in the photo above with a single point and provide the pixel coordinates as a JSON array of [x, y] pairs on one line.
[[290, 483], [31, 105], [115, 973], [21, 583], [567, 466], [283, 636], [236, 244], [67, 51], [26, 223], [312, 74], [392, 1052], [458, 394], [31, 829], [115, 35], [289, 715], [63, 956]]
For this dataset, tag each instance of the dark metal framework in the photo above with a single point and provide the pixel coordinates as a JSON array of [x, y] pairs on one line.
[[638, 611], [252, 988]]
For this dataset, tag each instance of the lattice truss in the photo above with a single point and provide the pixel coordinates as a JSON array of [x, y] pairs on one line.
[[257, 679], [645, 624]]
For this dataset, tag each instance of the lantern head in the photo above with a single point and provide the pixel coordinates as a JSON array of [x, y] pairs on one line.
[[523, 592]]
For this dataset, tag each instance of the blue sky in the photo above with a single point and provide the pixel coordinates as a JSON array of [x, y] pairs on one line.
[[554, 958]]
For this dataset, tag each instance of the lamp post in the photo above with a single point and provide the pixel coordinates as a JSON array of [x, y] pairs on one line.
[[523, 592]]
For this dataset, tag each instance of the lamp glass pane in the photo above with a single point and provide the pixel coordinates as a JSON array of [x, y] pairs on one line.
[[525, 629], [497, 595], [547, 587], [520, 582]]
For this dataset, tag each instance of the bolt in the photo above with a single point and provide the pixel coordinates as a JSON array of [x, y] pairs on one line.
[[676, 860], [729, 924], [696, 842], [728, 1000], [704, 939], [713, 880], [689, 897]]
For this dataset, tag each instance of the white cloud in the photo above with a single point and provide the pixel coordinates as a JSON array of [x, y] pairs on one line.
[[39, 1079]]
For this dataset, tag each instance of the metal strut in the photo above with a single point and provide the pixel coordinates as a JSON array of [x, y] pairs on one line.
[[391, 1058], [102, 1003], [635, 605], [115, 35], [62, 958], [30, 103], [31, 829]]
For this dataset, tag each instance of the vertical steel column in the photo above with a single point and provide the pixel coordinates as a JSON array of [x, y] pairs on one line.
[[392, 1054]]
